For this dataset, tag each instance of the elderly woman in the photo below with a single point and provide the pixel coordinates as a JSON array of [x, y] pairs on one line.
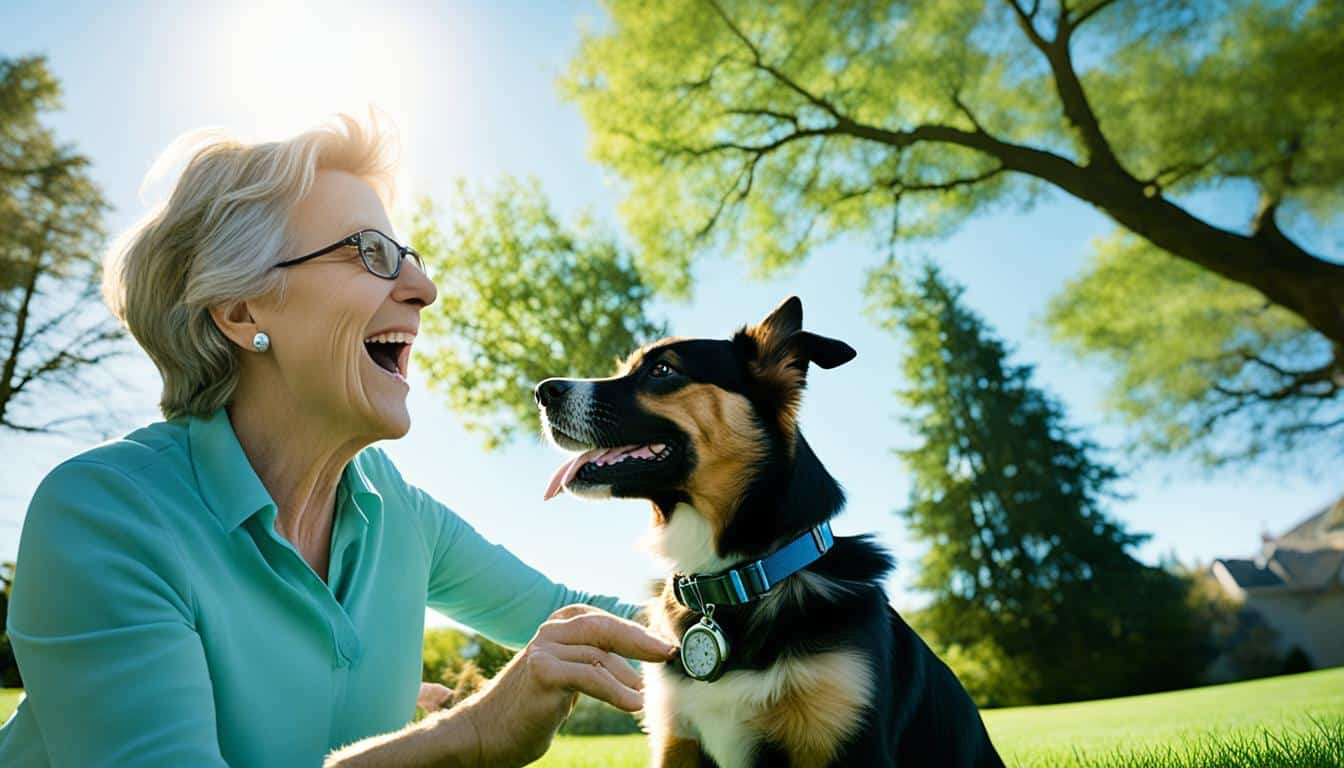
[[244, 583]]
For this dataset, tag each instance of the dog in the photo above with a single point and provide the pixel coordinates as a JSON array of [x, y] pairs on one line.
[[791, 654]]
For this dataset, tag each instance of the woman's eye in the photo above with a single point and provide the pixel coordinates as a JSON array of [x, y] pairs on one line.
[[661, 370]]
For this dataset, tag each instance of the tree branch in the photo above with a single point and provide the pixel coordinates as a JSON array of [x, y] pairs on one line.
[[759, 62], [1276, 266], [950, 185], [770, 113], [60, 164], [1068, 87], [1078, 20], [1027, 21], [749, 172]]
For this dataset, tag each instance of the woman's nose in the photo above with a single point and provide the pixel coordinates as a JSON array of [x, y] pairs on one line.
[[414, 286], [551, 390]]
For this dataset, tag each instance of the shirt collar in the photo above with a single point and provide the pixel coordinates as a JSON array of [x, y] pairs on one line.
[[230, 485], [357, 484]]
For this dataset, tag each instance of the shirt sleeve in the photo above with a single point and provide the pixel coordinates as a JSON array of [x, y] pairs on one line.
[[485, 586], [102, 627]]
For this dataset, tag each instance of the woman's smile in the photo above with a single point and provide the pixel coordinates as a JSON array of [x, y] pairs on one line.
[[390, 352]]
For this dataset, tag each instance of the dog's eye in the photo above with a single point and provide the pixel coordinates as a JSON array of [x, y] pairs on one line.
[[661, 370]]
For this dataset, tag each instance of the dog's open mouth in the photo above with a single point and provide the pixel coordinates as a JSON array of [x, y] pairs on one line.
[[600, 465]]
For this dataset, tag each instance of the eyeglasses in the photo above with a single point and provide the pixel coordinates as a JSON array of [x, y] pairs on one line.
[[381, 254]]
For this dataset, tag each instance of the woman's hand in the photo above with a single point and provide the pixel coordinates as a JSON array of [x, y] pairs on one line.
[[579, 649], [513, 719]]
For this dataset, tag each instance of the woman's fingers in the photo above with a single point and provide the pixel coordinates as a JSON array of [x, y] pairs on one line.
[[433, 696], [593, 679], [610, 633], [587, 654]]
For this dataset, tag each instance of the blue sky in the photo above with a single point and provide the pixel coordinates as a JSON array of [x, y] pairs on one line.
[[471, 89]]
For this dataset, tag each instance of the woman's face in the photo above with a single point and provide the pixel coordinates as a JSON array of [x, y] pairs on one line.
[[332, 306]]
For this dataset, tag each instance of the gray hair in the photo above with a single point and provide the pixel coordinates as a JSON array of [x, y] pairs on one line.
[[215, 240]]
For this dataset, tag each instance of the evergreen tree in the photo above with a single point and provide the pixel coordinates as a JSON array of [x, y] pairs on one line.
[[54, 334], [1027, 572]]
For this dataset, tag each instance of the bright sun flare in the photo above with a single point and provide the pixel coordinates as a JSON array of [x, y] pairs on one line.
[[279, 68]]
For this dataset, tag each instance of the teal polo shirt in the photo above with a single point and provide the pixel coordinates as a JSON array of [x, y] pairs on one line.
[[159, 620]]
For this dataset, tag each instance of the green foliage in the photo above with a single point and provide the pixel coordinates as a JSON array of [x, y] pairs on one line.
[[53, 332], [766, 129], [447, 652], [522, 297], [1246, 86], [1026, 570], [1199, 362], [675, 96], [991, 677], [1244, 645], [770, 127]]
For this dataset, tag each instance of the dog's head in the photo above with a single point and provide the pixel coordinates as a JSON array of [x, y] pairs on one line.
[[709, 423]]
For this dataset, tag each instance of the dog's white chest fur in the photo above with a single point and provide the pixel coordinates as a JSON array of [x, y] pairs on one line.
[[712, 714], [809, 704]]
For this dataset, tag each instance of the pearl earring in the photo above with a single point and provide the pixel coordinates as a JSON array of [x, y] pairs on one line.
[[261, 342]]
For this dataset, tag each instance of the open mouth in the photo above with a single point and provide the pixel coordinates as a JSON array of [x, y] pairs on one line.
[[391, 352], [599, 466]]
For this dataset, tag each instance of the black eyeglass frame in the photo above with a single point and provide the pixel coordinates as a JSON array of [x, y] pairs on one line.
[[356, 241]]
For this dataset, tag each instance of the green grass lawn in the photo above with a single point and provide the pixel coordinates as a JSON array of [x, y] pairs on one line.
[[1284, 722]]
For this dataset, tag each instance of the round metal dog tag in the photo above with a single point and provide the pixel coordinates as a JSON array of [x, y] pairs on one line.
[[703, 650]]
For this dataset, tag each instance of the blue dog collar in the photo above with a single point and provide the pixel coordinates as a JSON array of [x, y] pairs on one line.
[[748, 582]]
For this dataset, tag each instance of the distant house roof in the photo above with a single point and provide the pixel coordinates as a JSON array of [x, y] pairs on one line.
[[1308, 556], [1309, 570], [1248, 575], [1321, 529]]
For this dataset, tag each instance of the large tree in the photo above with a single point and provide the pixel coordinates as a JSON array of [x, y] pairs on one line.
[[771, 127], [1200, 363], [1025, 569], [522, 296], [54, 332]]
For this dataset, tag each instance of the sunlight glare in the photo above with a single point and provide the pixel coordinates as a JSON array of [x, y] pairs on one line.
[[283, 67]]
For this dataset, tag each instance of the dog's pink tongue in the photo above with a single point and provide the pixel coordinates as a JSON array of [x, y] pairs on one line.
[[567, 471]]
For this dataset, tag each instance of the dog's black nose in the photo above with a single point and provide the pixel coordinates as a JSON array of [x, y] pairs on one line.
[[550, 390]]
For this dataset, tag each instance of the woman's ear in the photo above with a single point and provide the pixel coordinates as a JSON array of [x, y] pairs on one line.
[[234, 320]]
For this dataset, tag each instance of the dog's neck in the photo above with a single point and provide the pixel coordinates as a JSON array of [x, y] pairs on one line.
[[780, 504]]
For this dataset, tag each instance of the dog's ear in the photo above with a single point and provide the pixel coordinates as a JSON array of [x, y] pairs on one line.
[[822, 350], [780, 339], [777, 351], [782, 322]]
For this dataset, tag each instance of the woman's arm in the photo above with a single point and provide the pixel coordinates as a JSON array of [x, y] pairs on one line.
[[103, 630], [486, 587], [481, 584], [512, 721]]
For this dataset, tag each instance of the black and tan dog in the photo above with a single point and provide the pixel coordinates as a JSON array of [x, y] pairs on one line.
[[809, 668]]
